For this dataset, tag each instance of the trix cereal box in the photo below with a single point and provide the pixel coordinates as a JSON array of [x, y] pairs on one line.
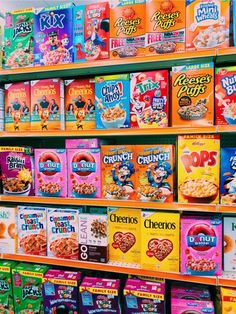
[[160, 241], [8, 233], [228, 175], [228, 300], [149, 99], [17, 106], [18, 39], [112, 101], [198, 168], [165, 24], [179, 306], [31, 230], [201, 245], [6, 293], [80, 104], [47, 105], [229, 243], [192, 95], [154, 166], [53, 35], [207, 24], [50, 172]]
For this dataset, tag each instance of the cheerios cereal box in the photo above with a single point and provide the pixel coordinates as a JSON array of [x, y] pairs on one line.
[[8, 233], [193, 95], [229, 243], [198, 168], [160, 241], [207, 24], [228, 300], [6, 293], [124, 236]]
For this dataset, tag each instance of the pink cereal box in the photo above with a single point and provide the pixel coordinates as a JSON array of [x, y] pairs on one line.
[[201, 245], [197, 293], [50, 172], [83, 143], [179, 306]]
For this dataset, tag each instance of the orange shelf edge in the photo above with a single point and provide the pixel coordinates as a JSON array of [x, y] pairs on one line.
[[227, 208], [226, 128], [226, 51]]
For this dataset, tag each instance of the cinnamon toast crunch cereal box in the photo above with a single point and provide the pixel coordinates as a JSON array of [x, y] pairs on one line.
[[198, 168], [8, 233], [6, 292]]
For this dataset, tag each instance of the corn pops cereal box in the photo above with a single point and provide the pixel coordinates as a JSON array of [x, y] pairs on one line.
[[124, 235], [192, 95], [198, 168], [47, 105], [17, 106], [6, 293], [207, 24], [228, 299], [8, 233], [149, 99], [127, 36], [229, 244], [160, 241], [165, 23], [154, 166]]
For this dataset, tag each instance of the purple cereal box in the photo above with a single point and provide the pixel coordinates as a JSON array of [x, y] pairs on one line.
[[179, 306], [190, 293], [83, 143]]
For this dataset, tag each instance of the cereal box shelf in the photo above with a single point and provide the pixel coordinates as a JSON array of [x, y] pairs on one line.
[[228, 279], [226, 128]]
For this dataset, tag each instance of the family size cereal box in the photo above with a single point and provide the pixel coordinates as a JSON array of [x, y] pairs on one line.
[[198, 168], [207, 24], [160, 241], [112, 101], [228, 299], [165, 26], [53, 35], [6, 293], [50, 172], [228, 175], [149, 99], [201, 245], [154, 166], [47, 105], [8, 234], [17, 106], [31, 230], [190, 292], [193, 95], [83, 143], [179, 306], [229, 243], [124, 235], [80, 104]]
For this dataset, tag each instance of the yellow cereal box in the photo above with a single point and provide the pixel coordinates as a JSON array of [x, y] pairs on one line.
[[160, 241], [228, 299], [198, 168], [124, 235]]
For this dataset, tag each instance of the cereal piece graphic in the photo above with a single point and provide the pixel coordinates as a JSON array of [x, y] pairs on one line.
[[123, 241], [160, 248]]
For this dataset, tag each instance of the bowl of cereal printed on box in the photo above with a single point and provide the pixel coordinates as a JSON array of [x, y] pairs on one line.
[[211, 37], [19, 185], [113, 117]]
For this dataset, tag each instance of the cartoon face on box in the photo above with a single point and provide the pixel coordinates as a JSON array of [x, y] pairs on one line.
[[8, 234], [229, 243], [228, 175]]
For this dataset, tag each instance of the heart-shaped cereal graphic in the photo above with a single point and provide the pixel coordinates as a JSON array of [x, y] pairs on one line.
[[123, 241], [160, 248]]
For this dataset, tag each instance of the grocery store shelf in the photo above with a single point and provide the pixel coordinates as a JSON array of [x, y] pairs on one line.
[[228, 279], [226, 128], [226, 55], [227, 208]]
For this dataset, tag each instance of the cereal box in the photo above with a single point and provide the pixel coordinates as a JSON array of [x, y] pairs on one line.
[[201, 245], [160, 241], [47, 105], [2, 109], [78, 33], [112, 101], [17, 106], [228, 299], [229, 243], [183, 291], [31, 230], [8, 234], [18, 39], [50, 172], [149, 99], [193, 95], [179, 306], [6, 293], [118, 172], [62, 233], [234, 22], [228, 175], [154, 166], [83, 143], [198, 168], [53, 35], [80, 104], [207, 24], [124, 235], [165, 25]]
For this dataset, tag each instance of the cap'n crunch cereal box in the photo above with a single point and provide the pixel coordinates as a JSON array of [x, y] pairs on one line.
[[228, 175], [6, 293], [228, 300]]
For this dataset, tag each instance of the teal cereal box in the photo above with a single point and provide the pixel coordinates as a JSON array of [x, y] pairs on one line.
[[6, 294]]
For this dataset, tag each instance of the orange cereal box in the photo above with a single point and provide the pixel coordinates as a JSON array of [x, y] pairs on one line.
[[193, 95], [165, 26], [207, 24], [127, 28], [198, 168]]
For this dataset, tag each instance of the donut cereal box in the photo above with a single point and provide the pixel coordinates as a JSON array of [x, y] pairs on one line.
[[192, 95], [198, 168], [8, 234], [207, 24], [160, 241], [17, 106], [228, 300], [229, 244], [6, 293], [179, 306], [149, 99], [197, 293], [228, 175]]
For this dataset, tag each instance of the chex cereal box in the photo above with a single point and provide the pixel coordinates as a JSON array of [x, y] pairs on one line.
[[31, 230], [165, 26], [17, 106], [160, 241], [229, 243], [149, 99], [228, 175], [53, 35], [154, 166], [228, 300], [180, 306], [207, 24], [193, 95], [198, 168], [8, 233], [6, 293], [112, 101], [47, 105], [124, 236], [80, 104]]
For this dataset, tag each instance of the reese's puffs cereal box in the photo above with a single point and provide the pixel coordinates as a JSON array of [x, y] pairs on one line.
[[198, 168]]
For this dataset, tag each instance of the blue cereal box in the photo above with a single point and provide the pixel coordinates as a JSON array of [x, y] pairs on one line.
[[78, 33], [228, 175], [112, 101]]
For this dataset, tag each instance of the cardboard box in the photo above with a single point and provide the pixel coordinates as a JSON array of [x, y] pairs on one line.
[[227, 175], [229, 244], [6, 293]]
